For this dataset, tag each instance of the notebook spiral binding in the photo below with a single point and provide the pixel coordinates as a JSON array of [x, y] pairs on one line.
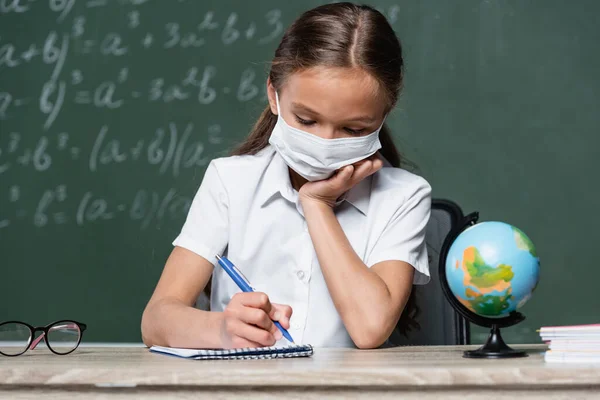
[[258, 353]]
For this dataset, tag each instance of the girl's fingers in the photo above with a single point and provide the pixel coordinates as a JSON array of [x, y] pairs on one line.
[[240, 343], [362, 171], [282, 313], [367, 167], [256, 316], [254, 299], [255, 334], [343, 176]]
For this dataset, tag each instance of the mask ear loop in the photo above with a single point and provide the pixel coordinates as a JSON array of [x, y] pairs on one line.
[[383, 122], [277, 102]]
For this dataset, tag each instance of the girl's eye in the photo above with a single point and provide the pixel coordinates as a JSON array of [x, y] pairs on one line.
[[304, 121], [354, 131]]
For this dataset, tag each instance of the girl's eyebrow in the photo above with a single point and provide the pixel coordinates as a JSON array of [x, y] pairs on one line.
[[364, 118], [305, 108]]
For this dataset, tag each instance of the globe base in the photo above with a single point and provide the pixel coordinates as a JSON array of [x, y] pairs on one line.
[[494, 347]]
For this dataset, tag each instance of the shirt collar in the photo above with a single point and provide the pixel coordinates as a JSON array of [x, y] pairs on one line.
[[360, 195], [276, 179]]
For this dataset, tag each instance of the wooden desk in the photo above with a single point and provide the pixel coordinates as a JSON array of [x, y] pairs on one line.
[[416, 372]]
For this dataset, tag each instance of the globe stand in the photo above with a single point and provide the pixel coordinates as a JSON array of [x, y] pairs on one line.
[[494, 347]]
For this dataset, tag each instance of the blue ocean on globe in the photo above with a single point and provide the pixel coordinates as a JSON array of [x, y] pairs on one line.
[[492, 268]]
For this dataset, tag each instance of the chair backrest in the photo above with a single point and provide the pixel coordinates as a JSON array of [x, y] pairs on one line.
[[440, 324]]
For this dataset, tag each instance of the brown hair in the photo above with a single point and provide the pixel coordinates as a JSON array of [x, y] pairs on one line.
[[339, 35], [342, 35]]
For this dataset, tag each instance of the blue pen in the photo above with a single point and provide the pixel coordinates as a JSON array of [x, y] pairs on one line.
[[244, 285]]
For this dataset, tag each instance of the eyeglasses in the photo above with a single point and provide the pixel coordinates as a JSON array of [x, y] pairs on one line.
[[61, 337]]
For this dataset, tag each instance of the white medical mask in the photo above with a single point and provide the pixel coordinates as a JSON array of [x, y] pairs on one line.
[[316, 158]]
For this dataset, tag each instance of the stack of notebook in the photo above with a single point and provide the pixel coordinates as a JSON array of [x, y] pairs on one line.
[[572, 344]]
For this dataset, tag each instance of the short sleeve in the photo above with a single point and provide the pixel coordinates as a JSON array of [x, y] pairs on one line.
[[403, 238], [205, 231]]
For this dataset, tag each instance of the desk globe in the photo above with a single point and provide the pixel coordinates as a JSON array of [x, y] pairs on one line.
[[488, 271]]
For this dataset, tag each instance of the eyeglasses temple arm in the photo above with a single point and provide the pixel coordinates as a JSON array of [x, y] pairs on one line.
[[55, 327], [36, 341]]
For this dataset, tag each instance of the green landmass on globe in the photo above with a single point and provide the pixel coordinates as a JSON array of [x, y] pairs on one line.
[[492, 269], [523, 242], [487, 289]]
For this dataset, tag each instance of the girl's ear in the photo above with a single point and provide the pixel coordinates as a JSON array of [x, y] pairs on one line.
[[271, 96]]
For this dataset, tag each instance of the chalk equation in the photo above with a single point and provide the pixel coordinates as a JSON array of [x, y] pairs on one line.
[[196, 87], [169, 149], [139, 90], [58, 206]]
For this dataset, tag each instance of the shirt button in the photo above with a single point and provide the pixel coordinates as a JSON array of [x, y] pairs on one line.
[[300, 275]]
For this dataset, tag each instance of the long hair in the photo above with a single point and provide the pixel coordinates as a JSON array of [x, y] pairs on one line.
[[342, 35]]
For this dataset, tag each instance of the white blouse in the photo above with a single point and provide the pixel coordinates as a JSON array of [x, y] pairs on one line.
[[247, 209]]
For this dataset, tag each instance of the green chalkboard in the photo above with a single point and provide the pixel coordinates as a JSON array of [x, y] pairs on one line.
[[111, 110]]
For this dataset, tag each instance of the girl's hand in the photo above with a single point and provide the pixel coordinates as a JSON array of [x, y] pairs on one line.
[[248, 321], [329, 190]]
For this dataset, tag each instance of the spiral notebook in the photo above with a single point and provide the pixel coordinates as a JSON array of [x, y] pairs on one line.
[[291, 351]]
